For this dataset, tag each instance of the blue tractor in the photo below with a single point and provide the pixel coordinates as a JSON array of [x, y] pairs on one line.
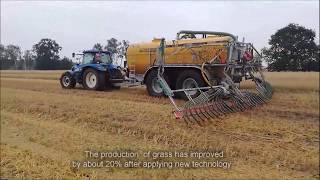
[[94, 73]]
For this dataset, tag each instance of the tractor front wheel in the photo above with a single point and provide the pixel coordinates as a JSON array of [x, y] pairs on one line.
[[93, 80], [67, 81]]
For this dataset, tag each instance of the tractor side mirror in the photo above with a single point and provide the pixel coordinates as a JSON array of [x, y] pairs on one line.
[[73, 55]]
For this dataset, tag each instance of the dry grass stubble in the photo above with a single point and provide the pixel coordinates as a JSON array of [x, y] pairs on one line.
[[44, 127]]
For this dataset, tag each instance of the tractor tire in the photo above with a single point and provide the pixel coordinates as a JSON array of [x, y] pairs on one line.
[[93, 80], [67, 81], [189, 79], [153, 87]]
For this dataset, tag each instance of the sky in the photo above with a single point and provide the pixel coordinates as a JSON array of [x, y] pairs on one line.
[[78, 25]]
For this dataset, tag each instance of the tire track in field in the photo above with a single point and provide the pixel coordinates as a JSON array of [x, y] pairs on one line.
[[285, 102], [278, 134], [287, 108], [49, 86], [134, 128], [163, 131], [269, 110], [218, 134]]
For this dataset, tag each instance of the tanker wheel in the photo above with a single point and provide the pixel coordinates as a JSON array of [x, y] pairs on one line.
[[189, 79], [153, 87], [67, 81], [93, 80]]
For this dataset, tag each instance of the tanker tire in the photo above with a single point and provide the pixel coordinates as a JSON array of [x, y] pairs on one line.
[[189, 76], [96, 81], [152, 87]]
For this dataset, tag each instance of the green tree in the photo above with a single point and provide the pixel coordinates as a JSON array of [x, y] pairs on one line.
[[313, 63], [292, 49], [117, 49], [47, 54], [2, 57], [98, 46], [28, 58], [122, 48], [122, 51], [112, 46], [10, 56], [65, 63]]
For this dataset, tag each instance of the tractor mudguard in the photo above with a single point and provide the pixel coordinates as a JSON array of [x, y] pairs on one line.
[[70, 72]]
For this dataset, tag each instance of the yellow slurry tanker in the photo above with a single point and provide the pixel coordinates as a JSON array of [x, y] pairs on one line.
[[183, 61], [201, 67]]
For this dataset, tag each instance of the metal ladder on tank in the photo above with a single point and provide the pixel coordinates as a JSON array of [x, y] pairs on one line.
[[132, 76]]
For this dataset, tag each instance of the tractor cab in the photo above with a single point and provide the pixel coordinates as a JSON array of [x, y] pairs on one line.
[[94, 57], [95, 71]]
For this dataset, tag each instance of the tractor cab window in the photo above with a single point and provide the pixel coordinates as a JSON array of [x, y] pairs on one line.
[[87, 58], [97, 58], [105, 58]]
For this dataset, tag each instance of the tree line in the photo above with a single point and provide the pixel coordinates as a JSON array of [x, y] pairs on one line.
[[292, 48], [44, 55]]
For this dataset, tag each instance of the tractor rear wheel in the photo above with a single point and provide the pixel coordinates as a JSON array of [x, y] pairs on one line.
[[189, 79], [93, 80], [67, 81]]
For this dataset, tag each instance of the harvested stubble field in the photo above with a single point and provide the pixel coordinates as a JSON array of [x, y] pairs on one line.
[[44, 127]]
